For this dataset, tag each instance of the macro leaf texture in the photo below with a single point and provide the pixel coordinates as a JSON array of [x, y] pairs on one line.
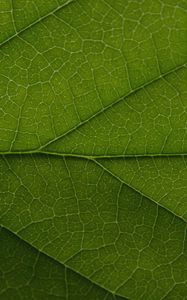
[[93, 144]]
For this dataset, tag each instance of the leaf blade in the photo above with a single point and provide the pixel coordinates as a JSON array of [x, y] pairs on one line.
[[87, 245]]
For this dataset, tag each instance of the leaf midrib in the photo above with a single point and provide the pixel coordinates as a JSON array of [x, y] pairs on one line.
[[76, 155]]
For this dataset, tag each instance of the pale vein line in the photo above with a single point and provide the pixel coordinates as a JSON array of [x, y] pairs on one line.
[[76, 155]]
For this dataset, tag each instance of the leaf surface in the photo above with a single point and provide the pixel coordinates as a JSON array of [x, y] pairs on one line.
[[79, 214], [162, 179], [93, 131], [62, 71], [40, 277]]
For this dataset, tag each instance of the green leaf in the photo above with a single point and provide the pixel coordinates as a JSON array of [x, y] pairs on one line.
[[39, 276], [163, 180], [93, 166]]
